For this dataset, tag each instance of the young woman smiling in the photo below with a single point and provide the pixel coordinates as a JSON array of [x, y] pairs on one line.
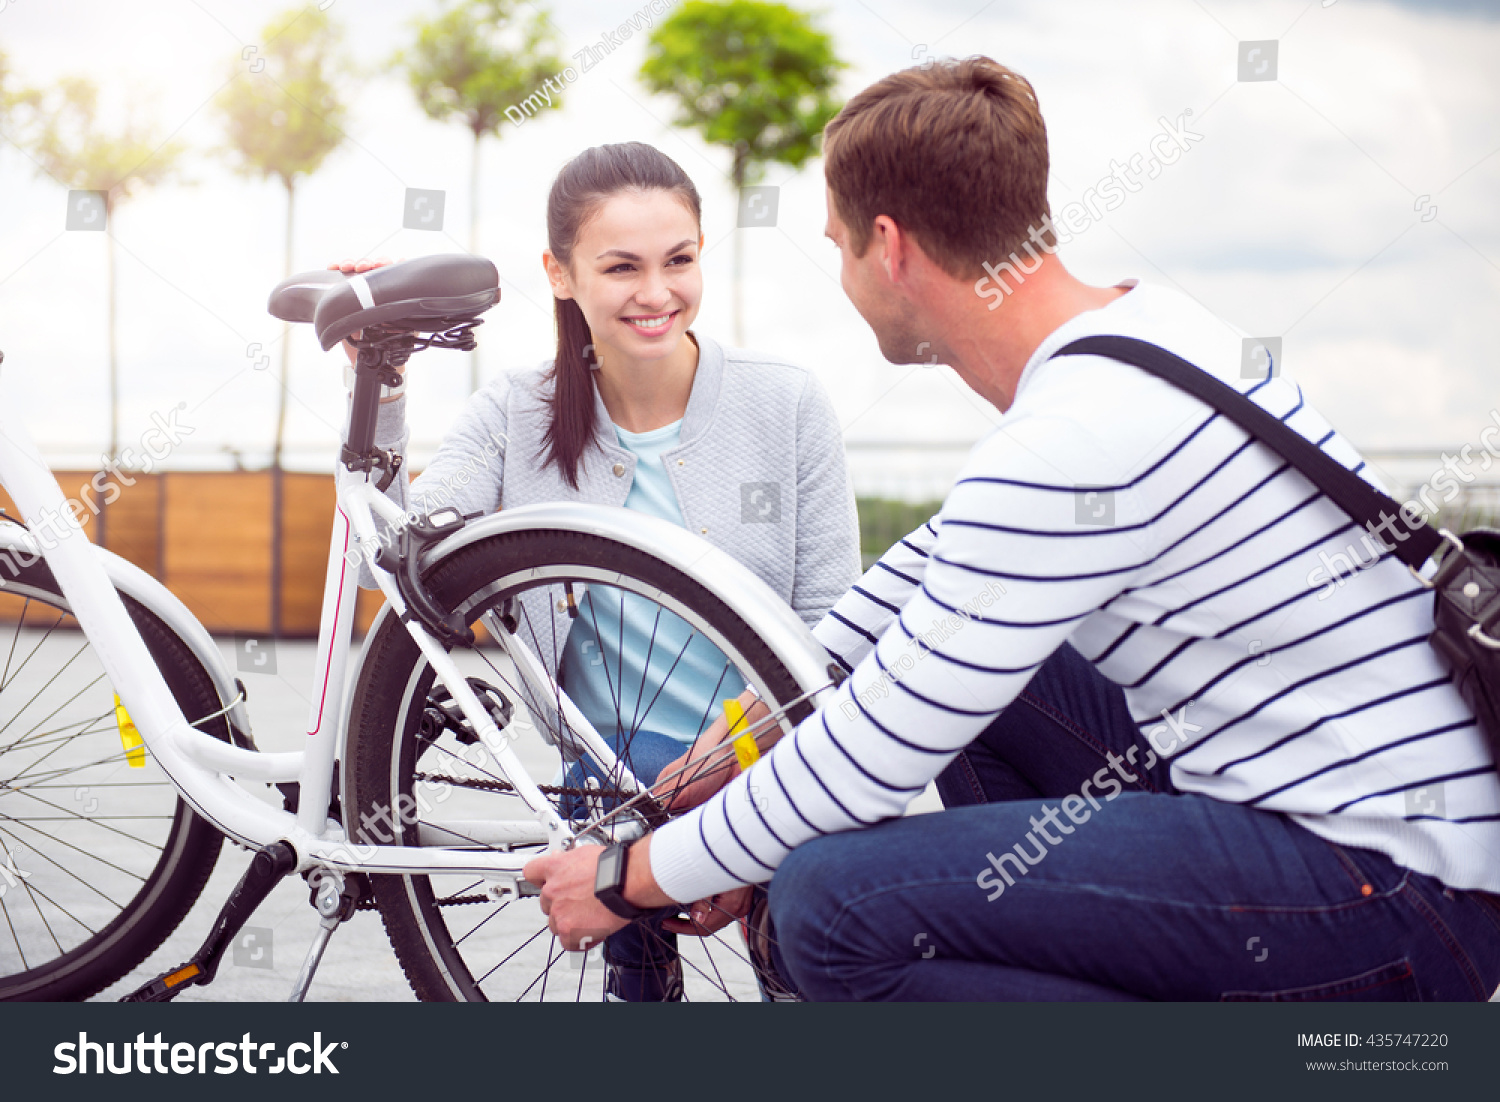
[[638, 410]]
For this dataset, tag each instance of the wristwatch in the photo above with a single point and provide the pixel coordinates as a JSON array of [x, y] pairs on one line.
[[609, 882]]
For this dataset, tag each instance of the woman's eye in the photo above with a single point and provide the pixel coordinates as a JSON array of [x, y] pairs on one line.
[[618, 268], [683, 257]]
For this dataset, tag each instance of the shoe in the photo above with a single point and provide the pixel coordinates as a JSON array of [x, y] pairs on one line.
[[662, 984], [759, 937]]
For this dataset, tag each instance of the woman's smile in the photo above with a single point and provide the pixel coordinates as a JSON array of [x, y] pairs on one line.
[[651, 325]]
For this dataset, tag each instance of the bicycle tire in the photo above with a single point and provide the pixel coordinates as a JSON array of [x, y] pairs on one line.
[[382, 742], [190, 847]]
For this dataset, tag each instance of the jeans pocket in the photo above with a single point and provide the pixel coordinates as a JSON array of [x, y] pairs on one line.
[[1394, 982]]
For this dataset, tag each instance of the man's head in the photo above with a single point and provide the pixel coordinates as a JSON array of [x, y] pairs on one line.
[[955, 158]]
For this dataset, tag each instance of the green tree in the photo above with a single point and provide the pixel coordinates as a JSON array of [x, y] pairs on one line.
[[285, 115], [755, 77], [66, 140], [471, 62]]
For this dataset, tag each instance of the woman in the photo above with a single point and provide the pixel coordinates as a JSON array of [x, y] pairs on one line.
[[637, 410]]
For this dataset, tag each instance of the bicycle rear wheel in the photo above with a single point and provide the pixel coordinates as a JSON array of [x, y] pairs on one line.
[[453, 940], [101, 858]]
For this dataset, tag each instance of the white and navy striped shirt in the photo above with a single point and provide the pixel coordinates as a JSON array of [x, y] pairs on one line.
[[1187, 561]]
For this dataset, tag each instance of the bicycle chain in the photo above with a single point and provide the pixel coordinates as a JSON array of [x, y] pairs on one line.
[[506, 786], [367, 902]]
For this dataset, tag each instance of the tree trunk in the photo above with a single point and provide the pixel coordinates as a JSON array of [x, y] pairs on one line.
[[474, 243], [286, 335], [737, 278], [114, 360], [277, 534]]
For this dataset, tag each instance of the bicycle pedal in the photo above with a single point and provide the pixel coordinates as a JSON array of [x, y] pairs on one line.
[[442, 713], [167, 986]]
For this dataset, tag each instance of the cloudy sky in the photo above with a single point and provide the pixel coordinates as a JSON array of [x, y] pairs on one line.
[[1347, 206]]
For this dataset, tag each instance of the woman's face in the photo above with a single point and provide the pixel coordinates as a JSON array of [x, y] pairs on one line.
[[635, 275]]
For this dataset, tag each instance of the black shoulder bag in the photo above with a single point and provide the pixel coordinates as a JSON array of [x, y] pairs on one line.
[[1466, 587]]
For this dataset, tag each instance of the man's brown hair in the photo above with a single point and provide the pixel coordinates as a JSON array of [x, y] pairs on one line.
[[955, 154]]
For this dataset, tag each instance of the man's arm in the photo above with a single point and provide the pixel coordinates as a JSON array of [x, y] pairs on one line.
[[1008, 579]]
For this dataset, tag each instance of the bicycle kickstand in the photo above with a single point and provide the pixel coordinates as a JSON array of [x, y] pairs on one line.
[[266, 870], [335, 896]]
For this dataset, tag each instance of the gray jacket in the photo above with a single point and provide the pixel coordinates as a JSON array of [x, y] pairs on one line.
[[759, 473]]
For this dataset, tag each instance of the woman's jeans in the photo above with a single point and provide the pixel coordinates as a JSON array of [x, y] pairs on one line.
[[1033, 886], [642, 956]]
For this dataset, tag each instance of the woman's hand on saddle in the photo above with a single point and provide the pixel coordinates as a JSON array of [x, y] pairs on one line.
[[698, 774], [355, 267]]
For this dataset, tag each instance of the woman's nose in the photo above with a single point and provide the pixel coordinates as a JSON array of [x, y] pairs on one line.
[[653, 293]]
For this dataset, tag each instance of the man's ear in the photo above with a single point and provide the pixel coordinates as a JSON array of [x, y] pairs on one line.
[[556, 275], [888, 238]]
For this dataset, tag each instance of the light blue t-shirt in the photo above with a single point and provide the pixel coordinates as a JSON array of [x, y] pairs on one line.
[[622, 647]]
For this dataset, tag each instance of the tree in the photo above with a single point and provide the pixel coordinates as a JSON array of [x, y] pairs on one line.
[[472, 61], [67, 141], [285, 116], [755, 77]]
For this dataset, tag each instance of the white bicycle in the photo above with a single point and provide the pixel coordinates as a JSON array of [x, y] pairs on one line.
[[430, 771]]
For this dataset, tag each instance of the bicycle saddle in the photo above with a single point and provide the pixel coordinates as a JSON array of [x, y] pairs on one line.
[[426, 294]]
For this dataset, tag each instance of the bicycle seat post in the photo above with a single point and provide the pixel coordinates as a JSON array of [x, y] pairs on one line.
[[379, 355]]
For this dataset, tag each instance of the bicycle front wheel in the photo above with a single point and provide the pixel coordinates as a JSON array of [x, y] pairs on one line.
[[101, 859], [454, 941]]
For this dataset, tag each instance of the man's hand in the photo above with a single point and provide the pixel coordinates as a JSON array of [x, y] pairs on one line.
[[567, 882], [709, 916], [697, 782]]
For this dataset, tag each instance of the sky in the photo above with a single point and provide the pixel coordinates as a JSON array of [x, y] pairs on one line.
[[1347, 207]]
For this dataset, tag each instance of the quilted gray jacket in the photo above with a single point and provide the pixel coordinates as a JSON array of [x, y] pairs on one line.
[[759, 472]]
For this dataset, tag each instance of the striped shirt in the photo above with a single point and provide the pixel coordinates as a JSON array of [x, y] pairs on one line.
[[1272, 656]]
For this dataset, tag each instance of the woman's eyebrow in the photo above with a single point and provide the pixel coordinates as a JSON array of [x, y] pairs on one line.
[[684, 243]]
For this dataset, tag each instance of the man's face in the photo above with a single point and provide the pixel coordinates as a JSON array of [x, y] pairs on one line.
[[882, 303]]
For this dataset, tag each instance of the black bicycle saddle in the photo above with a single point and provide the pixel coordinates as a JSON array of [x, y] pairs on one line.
[[427, 294]]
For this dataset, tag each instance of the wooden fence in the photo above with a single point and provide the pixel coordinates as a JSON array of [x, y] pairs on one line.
[[210, 537]]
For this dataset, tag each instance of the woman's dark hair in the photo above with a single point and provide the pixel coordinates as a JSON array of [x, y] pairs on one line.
[[581, 187]]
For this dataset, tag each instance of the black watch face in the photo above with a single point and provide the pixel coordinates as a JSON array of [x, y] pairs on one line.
[[609, 868]]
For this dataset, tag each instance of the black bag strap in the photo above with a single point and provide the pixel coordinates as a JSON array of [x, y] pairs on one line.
[[1413, 544]]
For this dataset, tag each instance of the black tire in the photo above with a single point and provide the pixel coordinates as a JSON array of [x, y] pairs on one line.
[[383, 734], [189, 846]]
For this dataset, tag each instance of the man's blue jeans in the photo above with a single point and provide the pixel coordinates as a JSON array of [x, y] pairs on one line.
[[1155, 895]]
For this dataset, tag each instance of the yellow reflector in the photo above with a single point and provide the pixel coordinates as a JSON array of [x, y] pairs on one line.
[[744, 747], [746, 750], [135, 746], [186, 972]]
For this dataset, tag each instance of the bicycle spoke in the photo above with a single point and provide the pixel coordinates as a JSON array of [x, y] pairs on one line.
[[14, 639], [26, 738], [61, 616]]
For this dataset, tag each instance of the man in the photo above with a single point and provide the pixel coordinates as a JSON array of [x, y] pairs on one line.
[[1182, 760]]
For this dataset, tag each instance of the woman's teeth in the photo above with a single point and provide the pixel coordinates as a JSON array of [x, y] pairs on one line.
[[650, 324]]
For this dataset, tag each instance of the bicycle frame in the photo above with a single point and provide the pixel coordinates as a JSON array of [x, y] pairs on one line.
[[205, 770]]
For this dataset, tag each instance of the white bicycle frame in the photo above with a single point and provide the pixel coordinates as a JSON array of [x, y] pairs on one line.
[[205, 770]]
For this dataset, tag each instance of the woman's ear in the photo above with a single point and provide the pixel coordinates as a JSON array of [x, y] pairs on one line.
[[557, 275]]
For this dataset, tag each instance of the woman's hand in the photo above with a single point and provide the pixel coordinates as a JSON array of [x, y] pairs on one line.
[[709, 916], [696, 779], [355, 267]]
